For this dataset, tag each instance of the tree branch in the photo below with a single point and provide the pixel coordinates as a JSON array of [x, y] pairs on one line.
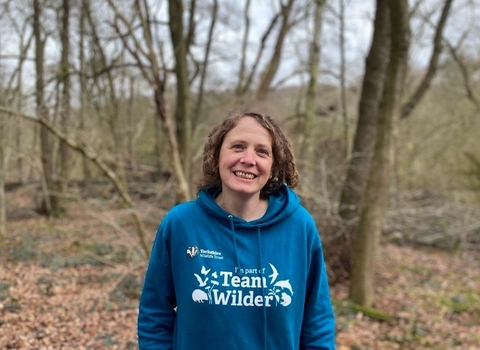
[[95, 158]]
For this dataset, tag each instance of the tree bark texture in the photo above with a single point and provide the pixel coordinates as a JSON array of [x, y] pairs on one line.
[[338, 250], [203, 76], [182, 111], [87, 176], [102, 68], [64, 78], [241, 73], [343, 82], [272, 67], [433, 64], [248, 82], [366, 243], [307, 150], [3, 207], [50, 199]]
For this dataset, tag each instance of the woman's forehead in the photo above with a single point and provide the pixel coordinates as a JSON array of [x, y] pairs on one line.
[[249, 127]]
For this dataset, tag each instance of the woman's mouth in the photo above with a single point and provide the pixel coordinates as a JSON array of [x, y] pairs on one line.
[[243, 175]]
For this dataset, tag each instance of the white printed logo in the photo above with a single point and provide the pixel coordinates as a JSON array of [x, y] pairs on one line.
[[246, 289], [192, 252]]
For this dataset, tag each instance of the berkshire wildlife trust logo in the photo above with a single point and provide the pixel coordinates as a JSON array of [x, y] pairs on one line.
[[192, 252], [246, 289]]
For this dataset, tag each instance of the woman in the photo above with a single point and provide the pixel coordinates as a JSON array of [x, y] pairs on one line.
[[241, 267]]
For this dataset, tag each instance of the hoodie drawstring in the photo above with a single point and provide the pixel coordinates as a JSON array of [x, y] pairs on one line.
[[230, 217], [260, 258], [264, 309]]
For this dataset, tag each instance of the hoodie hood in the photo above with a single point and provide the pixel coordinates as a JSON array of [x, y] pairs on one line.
[[281, 204]]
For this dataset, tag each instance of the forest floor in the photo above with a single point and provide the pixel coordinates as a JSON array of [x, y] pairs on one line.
[[74, 283]]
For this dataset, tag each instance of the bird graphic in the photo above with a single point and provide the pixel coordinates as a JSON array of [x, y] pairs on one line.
[[202, 283], [274, 275], [204, 271]]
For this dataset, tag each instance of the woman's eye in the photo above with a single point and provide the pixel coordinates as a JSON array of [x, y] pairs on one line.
[[263, 152], [237, 147]]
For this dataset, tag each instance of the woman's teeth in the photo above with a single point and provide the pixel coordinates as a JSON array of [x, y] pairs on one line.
[[244, 175]]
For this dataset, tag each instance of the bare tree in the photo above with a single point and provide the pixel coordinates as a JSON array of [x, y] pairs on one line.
[[247, 82], [338, 248], [103, 65], [3, 170], [52, 205], [366, 244], [307, 153], [243, 55], [353, 191], [343, 78], [147, 58], [25, 41], [272, 66], [87, 176], [65, 110], [466, 75], [199, 104], [182, 110], [88, 152], [433, 64]]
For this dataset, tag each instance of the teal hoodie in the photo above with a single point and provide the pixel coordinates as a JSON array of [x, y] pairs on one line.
[[216, 281]]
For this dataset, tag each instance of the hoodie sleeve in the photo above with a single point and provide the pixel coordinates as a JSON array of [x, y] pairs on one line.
[[318, 327], [156, 315]]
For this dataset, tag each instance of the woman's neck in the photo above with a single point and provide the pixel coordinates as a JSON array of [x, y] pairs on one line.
[[249, 209]]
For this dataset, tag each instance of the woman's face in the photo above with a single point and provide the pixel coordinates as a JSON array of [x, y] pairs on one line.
[[245, 159]]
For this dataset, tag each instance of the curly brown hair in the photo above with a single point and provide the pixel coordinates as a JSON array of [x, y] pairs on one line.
[[284, 169]]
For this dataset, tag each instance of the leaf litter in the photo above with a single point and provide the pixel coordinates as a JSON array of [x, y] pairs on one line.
[[73, 284]]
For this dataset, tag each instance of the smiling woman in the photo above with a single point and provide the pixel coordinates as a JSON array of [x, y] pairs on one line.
[[266, 286]]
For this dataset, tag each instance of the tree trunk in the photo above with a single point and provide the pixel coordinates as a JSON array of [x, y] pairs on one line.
[[369, 230], [51, 204], [182, 110], [87, 176], [3, 171], [343, 83], [433, 64], [241, 73], [19, 105], [274, 62], [307, 154], [338, 250], [64, 77], [131, 124], [199, 104], [248, 81]]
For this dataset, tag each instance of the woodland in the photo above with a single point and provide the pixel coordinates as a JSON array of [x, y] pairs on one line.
[[104, 109]]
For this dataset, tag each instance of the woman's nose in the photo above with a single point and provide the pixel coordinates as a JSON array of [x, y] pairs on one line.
[[248, 157]]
